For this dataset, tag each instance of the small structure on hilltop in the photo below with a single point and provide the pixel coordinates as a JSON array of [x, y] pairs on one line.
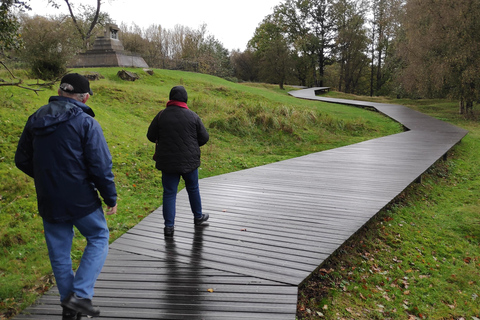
[[108, 51]]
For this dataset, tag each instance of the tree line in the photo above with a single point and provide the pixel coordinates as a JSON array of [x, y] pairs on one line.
[[180, 48], [404, 48]]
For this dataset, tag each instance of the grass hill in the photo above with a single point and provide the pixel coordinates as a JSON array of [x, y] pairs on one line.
[[250, 125]]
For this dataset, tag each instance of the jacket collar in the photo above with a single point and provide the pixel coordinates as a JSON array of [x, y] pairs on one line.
[[79, 104], [177, 103]]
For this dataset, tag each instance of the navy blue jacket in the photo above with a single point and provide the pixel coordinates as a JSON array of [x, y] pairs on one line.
[[179, 133], [63, 148]]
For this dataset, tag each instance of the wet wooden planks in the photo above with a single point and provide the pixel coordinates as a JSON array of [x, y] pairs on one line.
[[136, 286], [270, 227]]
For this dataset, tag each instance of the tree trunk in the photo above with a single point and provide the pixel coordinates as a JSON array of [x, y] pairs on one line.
[[372, 71], [462, 107], [85, 36], [314, 70], [469, 107], [321, 65]]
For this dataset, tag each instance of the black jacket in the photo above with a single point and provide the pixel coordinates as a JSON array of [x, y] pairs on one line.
[[179, 133]]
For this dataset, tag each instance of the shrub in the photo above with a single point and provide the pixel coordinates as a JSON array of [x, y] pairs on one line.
[[49, 46]]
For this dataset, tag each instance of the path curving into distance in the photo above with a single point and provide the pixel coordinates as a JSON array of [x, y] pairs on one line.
[[269, 228]]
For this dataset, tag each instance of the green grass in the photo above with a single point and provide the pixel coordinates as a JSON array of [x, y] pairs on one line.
[[420, 257], [249, 125]]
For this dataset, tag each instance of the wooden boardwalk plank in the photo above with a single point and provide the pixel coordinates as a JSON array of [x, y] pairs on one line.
[[270, 227]]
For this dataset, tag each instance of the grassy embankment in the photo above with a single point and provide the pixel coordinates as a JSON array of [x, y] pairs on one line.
[[250, 125]]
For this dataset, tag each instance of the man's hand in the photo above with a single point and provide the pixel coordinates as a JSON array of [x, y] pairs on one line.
[[111, 210]]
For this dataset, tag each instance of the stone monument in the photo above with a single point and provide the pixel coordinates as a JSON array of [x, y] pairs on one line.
[[108, 51]]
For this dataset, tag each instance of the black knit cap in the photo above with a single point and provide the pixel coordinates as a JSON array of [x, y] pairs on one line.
[[179, 93], [79, 83]]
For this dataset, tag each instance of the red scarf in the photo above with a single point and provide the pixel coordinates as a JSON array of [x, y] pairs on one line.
[[177, 103]]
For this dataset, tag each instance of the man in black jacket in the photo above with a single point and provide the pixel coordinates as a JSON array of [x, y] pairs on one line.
[[178, 133]]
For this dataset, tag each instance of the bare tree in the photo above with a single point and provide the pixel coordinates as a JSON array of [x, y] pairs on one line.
[[85, 21]]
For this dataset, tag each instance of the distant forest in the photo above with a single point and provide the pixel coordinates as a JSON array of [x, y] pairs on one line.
[[401, 48]]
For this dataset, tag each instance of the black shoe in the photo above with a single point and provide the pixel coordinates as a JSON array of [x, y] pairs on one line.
[[80, 305], [169, 231], [70, 314], [201, 220]]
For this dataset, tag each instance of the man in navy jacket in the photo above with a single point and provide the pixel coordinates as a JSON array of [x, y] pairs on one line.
[[63, 149]]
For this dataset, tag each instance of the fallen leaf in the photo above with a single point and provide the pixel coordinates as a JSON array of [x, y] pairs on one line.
[[325, 271], [210, 290]]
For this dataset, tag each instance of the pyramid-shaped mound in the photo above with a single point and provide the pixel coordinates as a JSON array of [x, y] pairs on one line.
[[108, 51]]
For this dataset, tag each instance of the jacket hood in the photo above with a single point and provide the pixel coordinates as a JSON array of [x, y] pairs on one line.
[[57, 111], [179, 93]]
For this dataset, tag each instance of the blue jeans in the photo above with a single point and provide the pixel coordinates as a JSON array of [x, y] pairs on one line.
[[170, 187], [59, 238]]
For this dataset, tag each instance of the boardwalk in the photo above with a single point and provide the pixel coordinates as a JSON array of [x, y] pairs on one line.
[[270, 227]]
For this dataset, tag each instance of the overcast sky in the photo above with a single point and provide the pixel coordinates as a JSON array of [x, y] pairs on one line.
[[233, 23]]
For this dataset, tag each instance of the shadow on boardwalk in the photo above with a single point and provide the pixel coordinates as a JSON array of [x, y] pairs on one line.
[[270, 227]]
